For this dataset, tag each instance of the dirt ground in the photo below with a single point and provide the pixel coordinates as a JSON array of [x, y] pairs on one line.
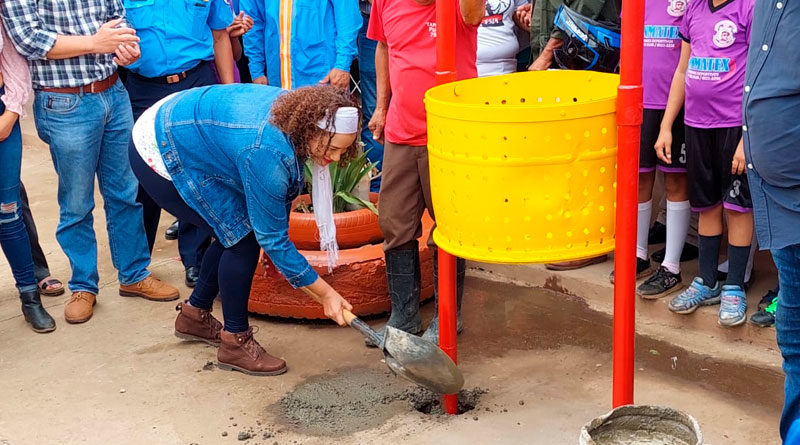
[[542, 358]]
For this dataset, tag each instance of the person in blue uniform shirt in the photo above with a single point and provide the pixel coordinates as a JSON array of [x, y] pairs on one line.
[[296, 43], [179, 39], [369, 90]]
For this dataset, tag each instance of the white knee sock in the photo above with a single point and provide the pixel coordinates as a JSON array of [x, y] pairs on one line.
[[678, 215], [642, 227]]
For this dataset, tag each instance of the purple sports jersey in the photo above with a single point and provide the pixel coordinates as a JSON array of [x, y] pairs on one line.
[[715, 76], [662, 49]]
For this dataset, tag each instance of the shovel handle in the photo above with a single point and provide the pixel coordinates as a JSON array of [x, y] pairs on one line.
[[348, 316]]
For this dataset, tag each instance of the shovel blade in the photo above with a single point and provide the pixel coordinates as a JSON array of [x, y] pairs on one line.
[[421, 362]]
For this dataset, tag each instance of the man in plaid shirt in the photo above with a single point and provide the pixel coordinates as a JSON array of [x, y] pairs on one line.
[[82, 111]]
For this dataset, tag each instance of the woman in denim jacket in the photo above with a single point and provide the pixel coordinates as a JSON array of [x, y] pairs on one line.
[[229, 158]]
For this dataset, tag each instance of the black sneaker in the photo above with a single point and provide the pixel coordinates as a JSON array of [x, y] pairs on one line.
[[660, 284], [766, 300], [689, 253], [766, 317], [643, 267], [657, 234]]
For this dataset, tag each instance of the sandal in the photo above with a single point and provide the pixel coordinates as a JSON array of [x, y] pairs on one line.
[[46, 287]]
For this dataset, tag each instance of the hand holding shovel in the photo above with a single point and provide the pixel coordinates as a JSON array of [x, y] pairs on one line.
[[413, 358]]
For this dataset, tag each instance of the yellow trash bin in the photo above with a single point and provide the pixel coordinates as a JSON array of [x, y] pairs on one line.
[[523, 166]]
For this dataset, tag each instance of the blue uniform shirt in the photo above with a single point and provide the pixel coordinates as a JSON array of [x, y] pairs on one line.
[[175, 34], [771, 123], [322, 34]]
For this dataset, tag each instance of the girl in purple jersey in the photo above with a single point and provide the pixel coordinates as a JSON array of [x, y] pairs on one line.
[[662, 49], [710, 77]]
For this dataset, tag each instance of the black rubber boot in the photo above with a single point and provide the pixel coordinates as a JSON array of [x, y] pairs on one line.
[[34, 312], [432, 333], [404, 276]]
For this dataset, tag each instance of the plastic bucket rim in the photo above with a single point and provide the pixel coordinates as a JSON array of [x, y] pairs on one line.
[[437, 105]]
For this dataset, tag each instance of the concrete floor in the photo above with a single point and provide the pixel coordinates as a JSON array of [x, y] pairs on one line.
[[123, 378]]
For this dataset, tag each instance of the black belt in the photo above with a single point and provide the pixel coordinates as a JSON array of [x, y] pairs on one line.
[[172, 78]]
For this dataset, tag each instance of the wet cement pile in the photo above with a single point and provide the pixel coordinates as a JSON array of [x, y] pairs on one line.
[[644, 425], [356, 400]]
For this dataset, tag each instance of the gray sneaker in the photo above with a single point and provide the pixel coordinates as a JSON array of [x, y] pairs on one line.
[[733, 310], [696, 295]]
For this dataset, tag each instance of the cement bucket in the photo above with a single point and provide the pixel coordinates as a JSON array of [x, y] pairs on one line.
[[642, 424]]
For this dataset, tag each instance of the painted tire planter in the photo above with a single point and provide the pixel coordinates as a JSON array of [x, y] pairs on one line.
[[360, 277], [353, 229]]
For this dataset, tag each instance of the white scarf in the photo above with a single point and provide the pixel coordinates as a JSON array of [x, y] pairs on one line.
[[322, 197], [345, 121]]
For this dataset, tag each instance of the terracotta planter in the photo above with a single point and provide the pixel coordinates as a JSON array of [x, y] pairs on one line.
[[353, 229], [360, 277]]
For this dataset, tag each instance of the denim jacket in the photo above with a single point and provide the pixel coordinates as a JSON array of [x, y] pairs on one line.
[[234, 168]]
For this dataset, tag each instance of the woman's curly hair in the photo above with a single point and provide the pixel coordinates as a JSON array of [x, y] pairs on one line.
[[297, 112]]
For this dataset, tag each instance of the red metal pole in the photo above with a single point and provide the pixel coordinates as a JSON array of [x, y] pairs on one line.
[[445, 41], [448, 337], [629, 120], [446, 72]]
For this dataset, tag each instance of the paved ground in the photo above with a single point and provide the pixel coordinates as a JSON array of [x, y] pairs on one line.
[[123, 378]]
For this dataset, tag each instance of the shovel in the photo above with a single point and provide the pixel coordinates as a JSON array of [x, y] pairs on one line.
[[413, 358]]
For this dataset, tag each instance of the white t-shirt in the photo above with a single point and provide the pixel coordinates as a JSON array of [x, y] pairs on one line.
[[498, 44], [144, 139]]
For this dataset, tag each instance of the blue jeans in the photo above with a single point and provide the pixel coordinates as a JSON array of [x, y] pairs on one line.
[[787, 324], [13, 236], [88, 136], [366, 68]]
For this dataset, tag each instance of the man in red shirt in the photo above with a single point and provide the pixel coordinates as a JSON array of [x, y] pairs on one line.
[[405, 64]]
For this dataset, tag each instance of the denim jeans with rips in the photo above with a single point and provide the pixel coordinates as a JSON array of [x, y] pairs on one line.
[[13, 236]]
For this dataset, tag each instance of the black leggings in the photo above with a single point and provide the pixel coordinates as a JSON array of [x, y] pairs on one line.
[[224, 271]]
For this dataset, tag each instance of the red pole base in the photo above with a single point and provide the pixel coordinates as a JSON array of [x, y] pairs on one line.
[[448, 337], [629, 119]]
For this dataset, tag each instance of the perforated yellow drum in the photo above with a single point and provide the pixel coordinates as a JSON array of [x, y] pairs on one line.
[[523, 166]]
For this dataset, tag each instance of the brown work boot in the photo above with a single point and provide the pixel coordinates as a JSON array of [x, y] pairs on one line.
[[241, 352], [79, 307], [194, 324], [578, 264], [151, 288]]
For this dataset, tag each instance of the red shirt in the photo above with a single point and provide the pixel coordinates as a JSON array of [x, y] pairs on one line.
[[409, 31]]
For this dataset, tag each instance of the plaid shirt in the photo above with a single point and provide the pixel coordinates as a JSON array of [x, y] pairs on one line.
[[33, 26]]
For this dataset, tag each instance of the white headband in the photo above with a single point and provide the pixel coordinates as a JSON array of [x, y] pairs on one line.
[[344, 122]]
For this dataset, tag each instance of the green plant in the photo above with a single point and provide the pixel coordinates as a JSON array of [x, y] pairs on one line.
[[344, 178]]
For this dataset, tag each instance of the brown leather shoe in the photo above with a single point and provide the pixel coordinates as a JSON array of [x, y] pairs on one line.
[[151, 288], [578, 264], [241, 352], [194, 324], [79, 307]]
